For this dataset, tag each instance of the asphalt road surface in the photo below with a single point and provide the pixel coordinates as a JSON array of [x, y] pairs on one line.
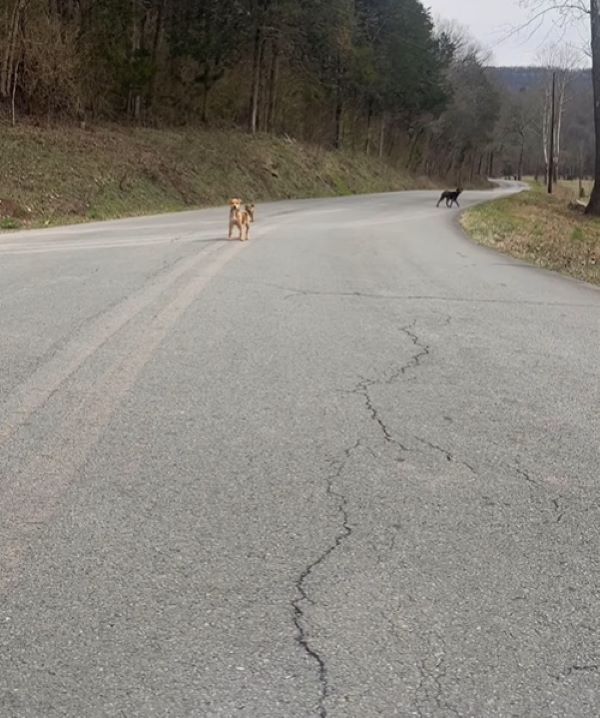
[[350, 468]]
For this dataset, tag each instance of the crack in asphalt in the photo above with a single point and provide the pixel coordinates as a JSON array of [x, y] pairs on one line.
[[363, 390], [447, 454], [577, 668], [422, 354], [301, 622], [558, 509], [365, 385], [527, 476], [299, 292], [434, 677], [557, 501], [300, 619], [589, 668]]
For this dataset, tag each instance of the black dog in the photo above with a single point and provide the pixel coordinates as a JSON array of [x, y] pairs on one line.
[[450, 197]]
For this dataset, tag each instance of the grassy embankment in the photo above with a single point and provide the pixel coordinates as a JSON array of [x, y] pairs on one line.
[[541, 229], [51, 176]]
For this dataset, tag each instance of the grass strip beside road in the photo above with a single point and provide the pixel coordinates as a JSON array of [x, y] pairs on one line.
[[541, 229]]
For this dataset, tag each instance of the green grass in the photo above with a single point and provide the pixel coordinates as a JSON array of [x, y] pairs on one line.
[[9, 223], [541, 229], [62, 175]]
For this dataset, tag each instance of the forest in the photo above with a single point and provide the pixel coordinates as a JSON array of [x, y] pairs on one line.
[[372, 76]]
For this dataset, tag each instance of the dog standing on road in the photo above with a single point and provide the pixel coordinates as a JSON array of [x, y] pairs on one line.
[[240, 219], [450, 197]]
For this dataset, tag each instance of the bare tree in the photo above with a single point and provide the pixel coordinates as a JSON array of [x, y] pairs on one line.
[[464, 44], [559, 61], [10, 56], [565, 10]]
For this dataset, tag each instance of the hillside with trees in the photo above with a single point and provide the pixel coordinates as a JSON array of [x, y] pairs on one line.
[[372, 78], [360, 74]]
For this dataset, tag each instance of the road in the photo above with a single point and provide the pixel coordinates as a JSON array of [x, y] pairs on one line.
[[347, 469]]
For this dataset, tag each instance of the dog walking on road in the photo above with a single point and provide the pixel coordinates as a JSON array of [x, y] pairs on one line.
[[450, 197]]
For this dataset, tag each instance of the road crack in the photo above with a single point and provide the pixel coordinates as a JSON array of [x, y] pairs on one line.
[[363, 389], [365, 386], [293, 292], [424, 349], [447, 454], [430, 690], [577, 668], [558, 502], [303, 595]]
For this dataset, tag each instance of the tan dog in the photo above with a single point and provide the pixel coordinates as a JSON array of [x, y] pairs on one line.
[[240, 219]]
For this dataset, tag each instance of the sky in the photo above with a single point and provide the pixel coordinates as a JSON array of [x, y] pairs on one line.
[[494, 24]]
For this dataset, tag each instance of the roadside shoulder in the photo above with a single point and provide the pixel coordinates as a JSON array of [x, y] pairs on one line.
[[540, 229]]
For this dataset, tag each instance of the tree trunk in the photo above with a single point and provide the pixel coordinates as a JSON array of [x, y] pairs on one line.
[[391, 144], [550, 170], [137, 30], [339, 129], [594, 204], [8, 61], [205, 93], [580, 168], [339, 108], [450, 164], [256, 73], [560, 110], [410, 163], [263, 90], [155, 43], [521, 156], [369, 122], [273, 83], [382, 136], [424, 164], [14, 93], [546, 130]]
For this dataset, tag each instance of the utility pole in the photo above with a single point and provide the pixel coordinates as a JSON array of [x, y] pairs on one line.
[[551, 154]]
